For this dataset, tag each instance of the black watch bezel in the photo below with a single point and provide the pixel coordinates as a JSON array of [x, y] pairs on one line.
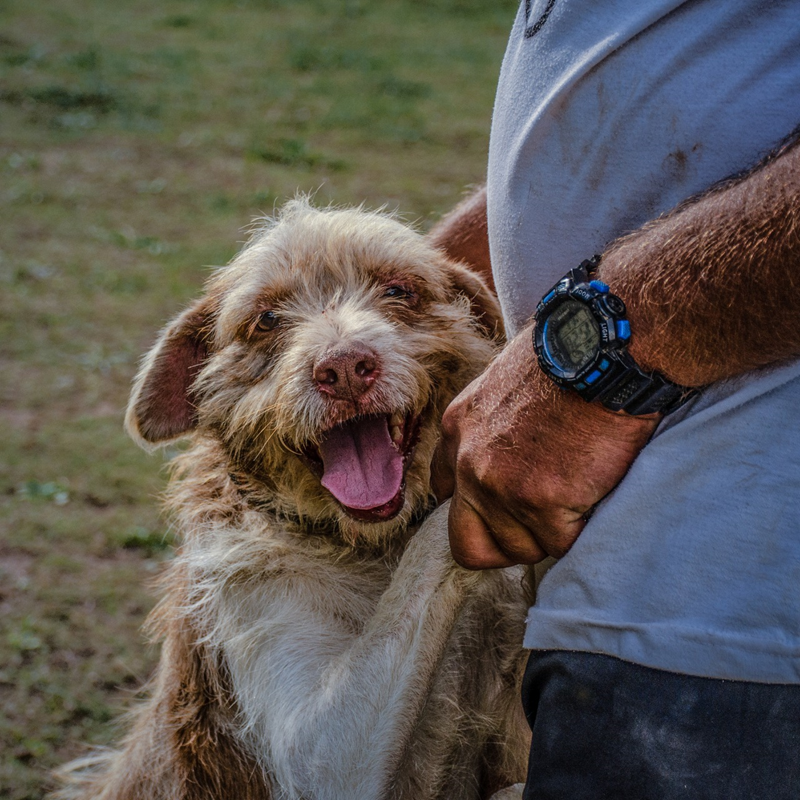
[[611, 376]]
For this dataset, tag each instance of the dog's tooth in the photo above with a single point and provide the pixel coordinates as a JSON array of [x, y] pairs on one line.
[[396, 420], [396, 433]]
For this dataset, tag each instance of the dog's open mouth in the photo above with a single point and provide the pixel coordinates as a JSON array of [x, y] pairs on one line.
[[363, 463]]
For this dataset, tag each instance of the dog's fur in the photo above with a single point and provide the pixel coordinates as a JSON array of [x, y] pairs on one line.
[[310, 651]]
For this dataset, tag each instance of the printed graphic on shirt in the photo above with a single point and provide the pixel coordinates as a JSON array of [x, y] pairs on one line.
[[534, 26]]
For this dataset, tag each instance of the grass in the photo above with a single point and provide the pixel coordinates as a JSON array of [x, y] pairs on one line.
[[137, 141]]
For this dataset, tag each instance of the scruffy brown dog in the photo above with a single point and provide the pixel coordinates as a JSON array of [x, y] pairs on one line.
[[318, 639]]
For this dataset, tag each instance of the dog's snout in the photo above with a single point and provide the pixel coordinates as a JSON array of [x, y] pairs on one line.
[[346, 372]]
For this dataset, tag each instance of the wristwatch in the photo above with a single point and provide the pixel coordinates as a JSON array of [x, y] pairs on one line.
[[581, 337]]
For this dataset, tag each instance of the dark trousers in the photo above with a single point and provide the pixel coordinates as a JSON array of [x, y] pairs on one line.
[[606, 729]]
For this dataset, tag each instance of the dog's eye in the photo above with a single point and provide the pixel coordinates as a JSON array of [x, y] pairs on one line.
[[267, 321], [397, 292]]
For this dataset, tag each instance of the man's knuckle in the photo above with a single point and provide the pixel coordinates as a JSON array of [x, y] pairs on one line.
[[544, 495], [468, 463], [451, 422]]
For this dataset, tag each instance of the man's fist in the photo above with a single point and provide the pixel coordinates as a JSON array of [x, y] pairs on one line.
[[525, 461]]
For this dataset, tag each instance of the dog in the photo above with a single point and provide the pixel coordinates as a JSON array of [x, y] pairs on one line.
[[318, 639]]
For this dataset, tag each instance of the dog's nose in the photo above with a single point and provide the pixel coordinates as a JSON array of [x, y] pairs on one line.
[[346, 373]]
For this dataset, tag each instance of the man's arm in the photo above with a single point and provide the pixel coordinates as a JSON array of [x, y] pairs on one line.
[[711, 292], [463, 234], [712, 288]]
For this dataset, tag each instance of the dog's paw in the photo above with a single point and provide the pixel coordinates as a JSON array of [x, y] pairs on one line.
[[430, 550], [431, 542]]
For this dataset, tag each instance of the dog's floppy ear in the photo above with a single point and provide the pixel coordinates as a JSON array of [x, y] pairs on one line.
[[482, 300], [162, 405]]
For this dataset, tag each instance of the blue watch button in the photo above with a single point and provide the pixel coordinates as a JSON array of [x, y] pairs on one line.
[[580, 386], [600, 286], [548, 297], [623, 329], [593, 377], [604, 365]]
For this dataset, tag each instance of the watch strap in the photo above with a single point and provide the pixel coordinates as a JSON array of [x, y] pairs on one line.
[[630, 389]]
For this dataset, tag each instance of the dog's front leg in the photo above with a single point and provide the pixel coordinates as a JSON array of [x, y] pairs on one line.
[[385, 678], [333, 710]]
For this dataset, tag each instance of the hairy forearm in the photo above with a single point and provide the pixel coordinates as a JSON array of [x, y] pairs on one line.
[[711, 288]]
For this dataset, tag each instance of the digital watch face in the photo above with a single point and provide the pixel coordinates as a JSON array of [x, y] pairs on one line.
[[571, 337]]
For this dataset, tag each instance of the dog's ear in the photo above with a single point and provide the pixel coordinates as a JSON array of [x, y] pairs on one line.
[[482, 300], [162, 405]]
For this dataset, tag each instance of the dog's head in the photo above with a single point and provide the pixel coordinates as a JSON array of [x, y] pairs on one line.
[[322, 359]]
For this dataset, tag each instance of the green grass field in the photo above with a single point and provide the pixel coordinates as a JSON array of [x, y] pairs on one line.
[[137, 141]]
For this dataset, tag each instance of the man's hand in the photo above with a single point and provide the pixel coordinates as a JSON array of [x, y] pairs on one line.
[[711, 290], [525, 461]]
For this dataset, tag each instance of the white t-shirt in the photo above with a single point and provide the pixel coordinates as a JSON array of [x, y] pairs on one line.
[[607, 115]]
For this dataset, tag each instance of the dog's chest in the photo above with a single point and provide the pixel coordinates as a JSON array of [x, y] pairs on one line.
[[305, 612]]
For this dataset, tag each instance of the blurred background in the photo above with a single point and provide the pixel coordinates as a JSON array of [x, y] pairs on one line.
[[137, 141]]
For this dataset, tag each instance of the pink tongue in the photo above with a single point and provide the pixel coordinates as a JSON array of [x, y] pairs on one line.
[[363, 469]]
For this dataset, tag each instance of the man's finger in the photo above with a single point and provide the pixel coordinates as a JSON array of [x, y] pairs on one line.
[[556, 529], [471, 541]]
